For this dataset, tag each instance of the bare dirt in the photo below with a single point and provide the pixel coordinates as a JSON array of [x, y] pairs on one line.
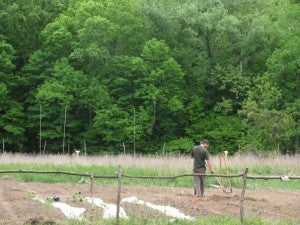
[[17, 206]]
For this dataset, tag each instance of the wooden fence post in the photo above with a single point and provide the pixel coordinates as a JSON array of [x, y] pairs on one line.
[[92, 186], [119, 195], [92, 194], [243, 196]]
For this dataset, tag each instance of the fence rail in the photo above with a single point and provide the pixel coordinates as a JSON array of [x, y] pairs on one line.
[[183, 175], [58, 172], [149, 177], [273, 177], [120, 174]]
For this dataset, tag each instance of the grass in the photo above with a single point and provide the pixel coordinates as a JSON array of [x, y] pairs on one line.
[[151, 166], [140, 171], [207, 220]]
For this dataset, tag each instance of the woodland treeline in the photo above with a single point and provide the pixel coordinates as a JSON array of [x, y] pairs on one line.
[[149, 75]]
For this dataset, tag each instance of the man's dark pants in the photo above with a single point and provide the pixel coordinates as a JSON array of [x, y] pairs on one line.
[[199, 182]]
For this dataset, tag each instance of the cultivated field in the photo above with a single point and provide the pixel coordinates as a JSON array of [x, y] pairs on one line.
[[267, 202]]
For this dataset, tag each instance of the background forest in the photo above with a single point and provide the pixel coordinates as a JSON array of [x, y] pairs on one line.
[[150, 75]]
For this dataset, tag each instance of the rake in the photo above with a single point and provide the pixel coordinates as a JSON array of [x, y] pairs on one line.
[[223, 158]]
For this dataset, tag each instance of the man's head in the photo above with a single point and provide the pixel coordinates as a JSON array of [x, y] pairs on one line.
[[205, 143]]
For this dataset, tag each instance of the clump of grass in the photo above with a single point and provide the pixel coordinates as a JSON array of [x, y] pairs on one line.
[[213, 220]]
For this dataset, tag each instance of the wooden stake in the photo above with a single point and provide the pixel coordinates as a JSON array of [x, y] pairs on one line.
[[124, 149], [229, 179], [163, 150], [68, 146], [45, 147], [64, 130], [243, 196], [92, 193], [40, 128], [119, 195], [84, 148], [92, 179], [134, 132], [3, 149]]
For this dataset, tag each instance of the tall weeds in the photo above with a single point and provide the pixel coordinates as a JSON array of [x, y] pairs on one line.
[[284, 162]]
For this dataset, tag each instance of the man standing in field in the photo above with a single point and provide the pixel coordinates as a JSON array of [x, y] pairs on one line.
[[201, 157]]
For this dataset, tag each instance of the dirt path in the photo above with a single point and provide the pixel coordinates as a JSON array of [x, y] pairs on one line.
[[17, 206]]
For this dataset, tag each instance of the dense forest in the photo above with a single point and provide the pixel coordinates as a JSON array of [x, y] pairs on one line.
[[149, 75]]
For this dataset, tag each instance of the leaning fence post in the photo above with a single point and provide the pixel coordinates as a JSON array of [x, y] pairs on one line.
[[119, 195], [92, 194], [243, 196]]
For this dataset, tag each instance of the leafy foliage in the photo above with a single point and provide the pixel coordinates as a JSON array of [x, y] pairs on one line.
[[149, 72]]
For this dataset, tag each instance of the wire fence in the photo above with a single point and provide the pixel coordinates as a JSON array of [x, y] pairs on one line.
[[119, 175]]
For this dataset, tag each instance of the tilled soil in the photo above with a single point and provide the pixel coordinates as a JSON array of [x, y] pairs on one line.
[[17, 206]]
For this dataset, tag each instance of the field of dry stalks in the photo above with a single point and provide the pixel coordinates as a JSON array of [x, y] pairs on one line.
[[285, 162]]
